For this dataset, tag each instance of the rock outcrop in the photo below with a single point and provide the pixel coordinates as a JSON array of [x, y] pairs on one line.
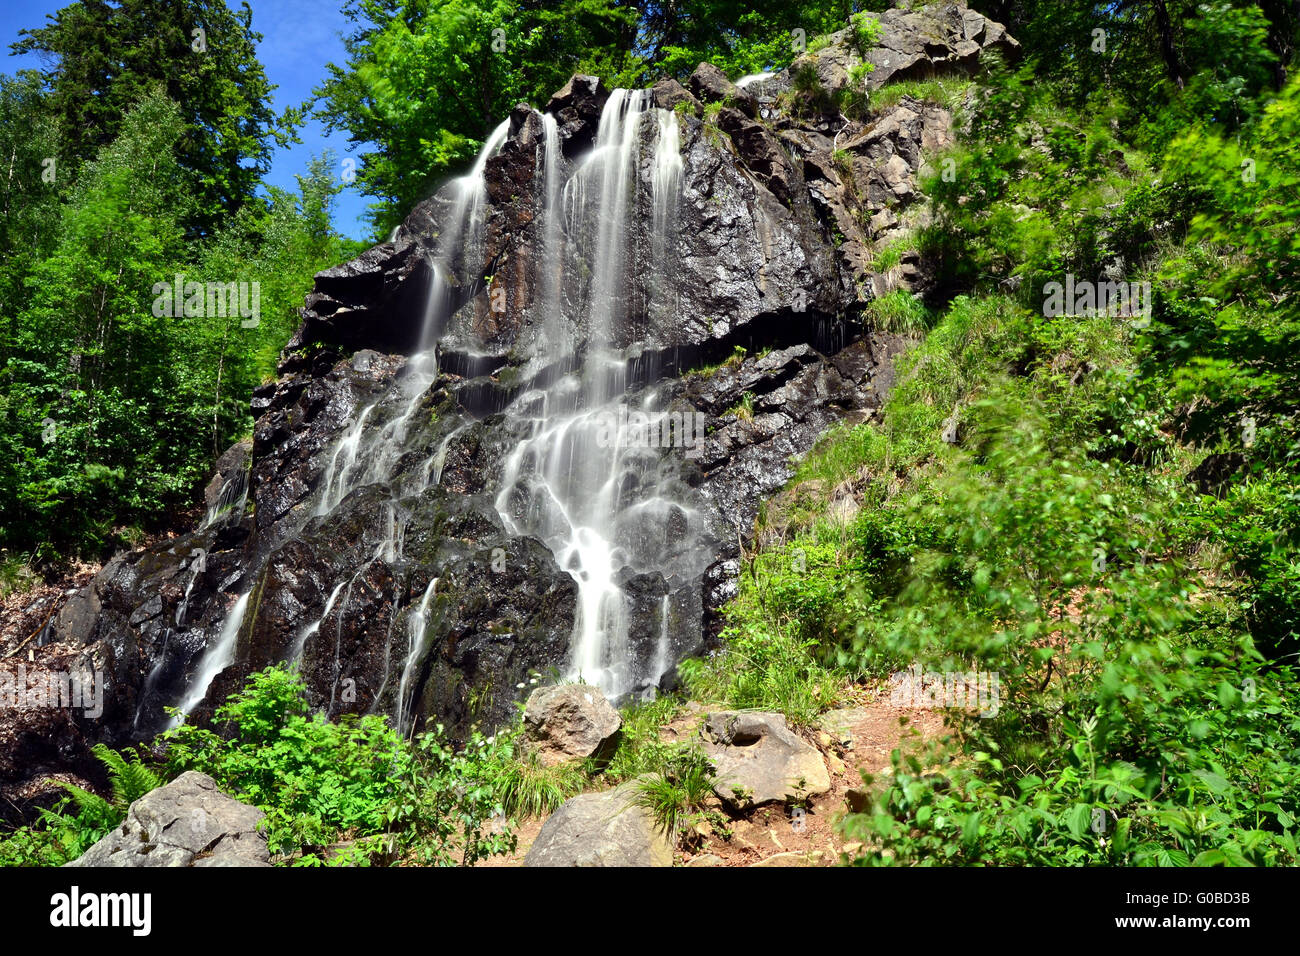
[[601, 829], [189, 822]]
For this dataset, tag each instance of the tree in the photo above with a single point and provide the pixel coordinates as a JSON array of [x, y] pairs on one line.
[[105, 56], [29, 183], [89, 377]]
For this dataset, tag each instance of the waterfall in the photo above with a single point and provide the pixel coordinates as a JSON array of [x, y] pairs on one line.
[[229, 506], [218, 656], [359, 460], [415, 627], [314, 628], [588, 475], [583, 478]]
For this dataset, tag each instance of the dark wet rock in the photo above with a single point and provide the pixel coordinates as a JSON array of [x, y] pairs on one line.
[[576, 109], [224, 494]]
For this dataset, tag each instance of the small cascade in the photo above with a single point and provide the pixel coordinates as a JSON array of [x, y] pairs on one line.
[[218, 656], [313, 629], [753, 78], [196, 568], [666, 194], [151, 680], [229, 506], [416, 623], [662, 662]]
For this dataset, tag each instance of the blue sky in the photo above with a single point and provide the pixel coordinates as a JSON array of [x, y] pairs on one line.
[[299, 38]]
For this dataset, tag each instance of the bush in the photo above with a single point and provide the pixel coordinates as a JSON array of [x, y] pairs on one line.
[[318, 780]]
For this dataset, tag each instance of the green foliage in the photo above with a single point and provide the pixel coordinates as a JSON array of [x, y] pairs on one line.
[[111, 414], [677, 794], [104, 57], [865, 31], [525, 785], [948, 92], [318, 780], [81, 819], [427, 80], [774, 629], [898, 311], [641, 749]]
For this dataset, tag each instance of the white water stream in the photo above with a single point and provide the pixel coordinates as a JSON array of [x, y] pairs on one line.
[[582, 478]]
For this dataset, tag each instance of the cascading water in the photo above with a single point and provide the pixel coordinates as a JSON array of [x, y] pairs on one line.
[[582, 477], [416, 624], [216, 658]]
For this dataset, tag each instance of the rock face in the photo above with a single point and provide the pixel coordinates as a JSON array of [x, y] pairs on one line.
[[189, 822], [371, 541], [930, 41], [570, 722], [758, 760], [601, 829]]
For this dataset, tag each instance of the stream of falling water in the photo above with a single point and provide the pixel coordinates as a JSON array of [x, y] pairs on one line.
[[581, 478], [218, 656], [577, 479]]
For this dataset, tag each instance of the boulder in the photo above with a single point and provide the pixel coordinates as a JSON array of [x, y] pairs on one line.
[[668, 93], [570, 722], [712, 86], [189, 822], [576, 109], [937, 39], [601, 829], [758, 760]]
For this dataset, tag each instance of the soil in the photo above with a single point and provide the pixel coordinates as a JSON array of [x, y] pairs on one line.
[[772, 835]]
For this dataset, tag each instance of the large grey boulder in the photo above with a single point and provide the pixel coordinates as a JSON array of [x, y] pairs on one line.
[[758, 760], [601, 829], [189, 822], [570, 722]]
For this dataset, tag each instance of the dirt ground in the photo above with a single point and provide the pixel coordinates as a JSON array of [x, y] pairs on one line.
[[770, 836]]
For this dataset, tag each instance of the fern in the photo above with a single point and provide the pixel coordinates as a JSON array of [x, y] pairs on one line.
[[130, 778], [92, 805]]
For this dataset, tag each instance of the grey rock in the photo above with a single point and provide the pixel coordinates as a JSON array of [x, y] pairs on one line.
[[601, 829], [711, 85], [189, 822], [758, 760], [570, 722], [931, 40], [668, 93]]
